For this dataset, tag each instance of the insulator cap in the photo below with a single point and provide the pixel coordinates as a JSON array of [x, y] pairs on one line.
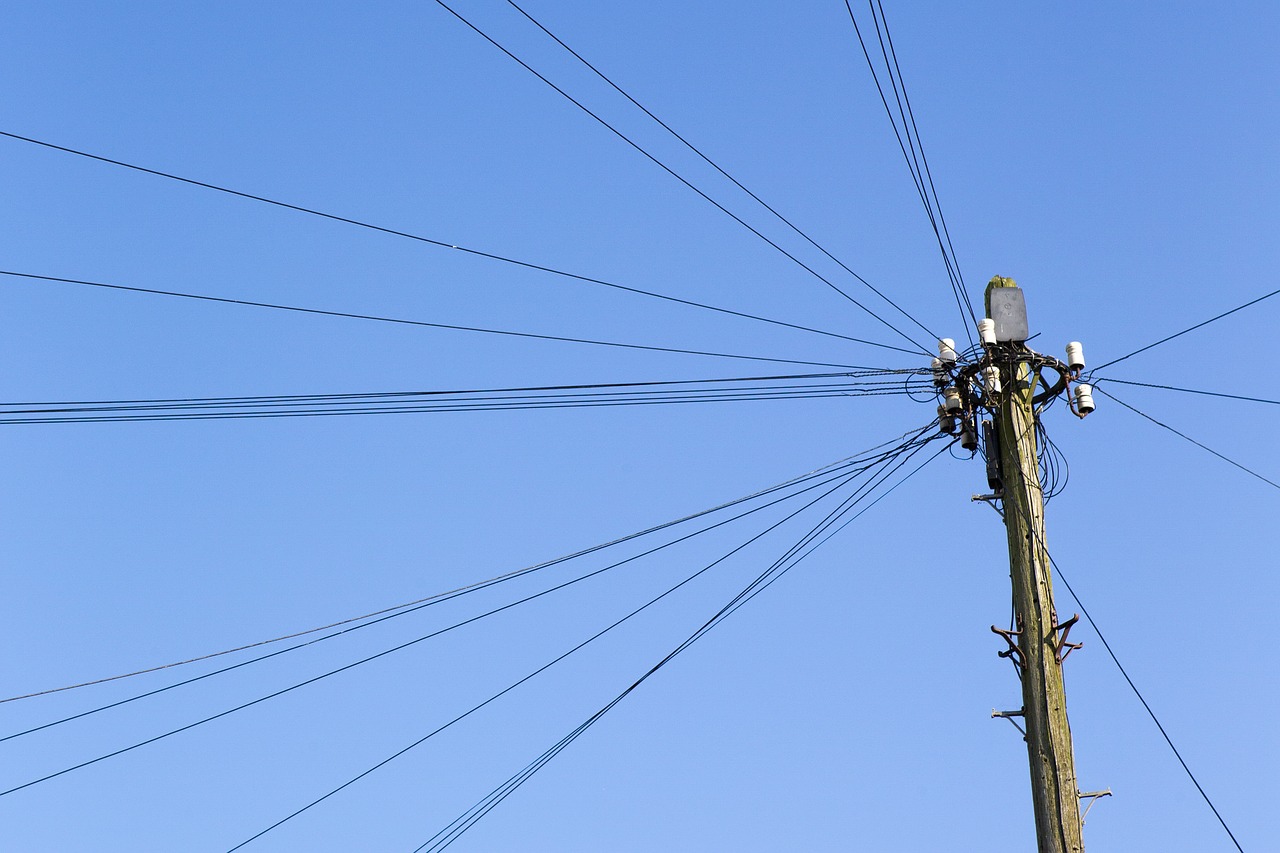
[[991, 380], [987, 331], [951, 401], [947, 350], [1075, 356], [1084, 399]]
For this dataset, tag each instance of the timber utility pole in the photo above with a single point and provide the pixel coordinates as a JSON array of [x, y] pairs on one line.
[[992, 396]]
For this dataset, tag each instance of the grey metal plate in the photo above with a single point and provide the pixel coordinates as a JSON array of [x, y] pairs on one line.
[[1009, 310]]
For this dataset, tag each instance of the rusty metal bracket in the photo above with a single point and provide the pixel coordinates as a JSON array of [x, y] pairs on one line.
[[1060, 642], [1013, 653]]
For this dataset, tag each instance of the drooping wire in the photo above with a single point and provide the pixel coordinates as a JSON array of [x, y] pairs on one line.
[[909, 147], [1190, 391], [1186, 437], [713, 164], [794, 555], [1248, 304], [1054, 470], [461, 591], [861, 464], [405, 322], [585, 279], [1043, 546], [544, 667], [682, 179]]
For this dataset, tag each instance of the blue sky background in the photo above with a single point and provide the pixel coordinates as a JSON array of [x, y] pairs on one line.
[[1118, 160]]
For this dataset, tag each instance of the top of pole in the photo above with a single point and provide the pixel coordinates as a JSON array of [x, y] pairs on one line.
[[1005, 304]]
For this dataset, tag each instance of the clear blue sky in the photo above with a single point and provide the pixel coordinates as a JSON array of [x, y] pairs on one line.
[[1118, 160]]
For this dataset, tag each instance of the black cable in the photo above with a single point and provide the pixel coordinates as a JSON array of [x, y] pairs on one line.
[[937, 203], [713, 164], [678, 177], [912, 166], [1189, 329], [452, 831], [826, 469], [438, 243], [386, 408], [540, 669], [525, 389], [1190, 391], [859, 513], [367, 659], [912, 161], [1183, 435], [432, 401], [401, 321]]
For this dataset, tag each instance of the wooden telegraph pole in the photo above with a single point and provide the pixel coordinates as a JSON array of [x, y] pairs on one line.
[[1006, 381], [1040, 635], [1040, 638]]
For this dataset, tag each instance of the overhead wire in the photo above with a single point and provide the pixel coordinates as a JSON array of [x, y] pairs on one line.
[[586, 279], [484, 583], [950, 253], [1188, 391], [713, 164], [1200, 325], [1186, 437], [450, 833], [830, 472], [406, 322], [905, 382], [933, 209], [860, 464], [540, 669], [680, 178]]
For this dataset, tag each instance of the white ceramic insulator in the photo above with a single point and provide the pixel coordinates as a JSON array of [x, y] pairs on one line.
[[991, 380], [1084, 399], [947, 350], [987, 331], [1075, 356], [951, 401]]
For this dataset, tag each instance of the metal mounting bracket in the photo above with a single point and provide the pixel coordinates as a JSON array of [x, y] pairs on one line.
[[1013, 653], [1009, 715], [1092, 797], [1060, 642]]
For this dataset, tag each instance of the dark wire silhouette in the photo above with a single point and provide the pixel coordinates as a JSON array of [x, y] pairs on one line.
[[1200, 325], [681, 179], [783, 564], [861, 462], [586, 279], [404, 322], [713, 164], [1186, 437]]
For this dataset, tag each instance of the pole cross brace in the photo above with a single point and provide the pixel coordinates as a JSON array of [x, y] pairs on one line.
[[1061, 643], [1013, 653]]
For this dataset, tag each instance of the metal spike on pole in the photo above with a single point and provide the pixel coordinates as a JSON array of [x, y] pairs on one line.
[[1008, 380]]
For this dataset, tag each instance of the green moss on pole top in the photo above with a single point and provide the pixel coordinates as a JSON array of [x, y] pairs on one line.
[[997, 281]]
